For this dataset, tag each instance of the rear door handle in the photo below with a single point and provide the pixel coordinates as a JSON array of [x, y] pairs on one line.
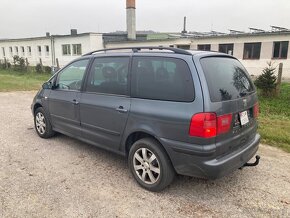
[[75, 102], [121, 109]]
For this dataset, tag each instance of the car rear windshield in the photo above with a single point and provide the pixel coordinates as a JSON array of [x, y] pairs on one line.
[[226, 78]]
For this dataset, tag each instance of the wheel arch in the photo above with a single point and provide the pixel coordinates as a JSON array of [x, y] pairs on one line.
[[140, 134], [36, 105]]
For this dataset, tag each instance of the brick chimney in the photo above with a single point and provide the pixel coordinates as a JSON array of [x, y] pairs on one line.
[[131, 19]]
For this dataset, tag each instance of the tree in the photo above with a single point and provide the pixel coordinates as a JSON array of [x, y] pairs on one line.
[[266, 82]]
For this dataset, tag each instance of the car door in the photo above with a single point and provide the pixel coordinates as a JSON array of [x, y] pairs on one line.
[[105, 104], [65, 96]]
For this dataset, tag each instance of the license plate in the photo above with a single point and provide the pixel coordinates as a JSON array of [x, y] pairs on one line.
[[244, 118]]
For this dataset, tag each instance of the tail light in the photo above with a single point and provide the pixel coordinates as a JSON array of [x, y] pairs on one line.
[[256, 110], [203, 125], [224, 123], [208, 125]]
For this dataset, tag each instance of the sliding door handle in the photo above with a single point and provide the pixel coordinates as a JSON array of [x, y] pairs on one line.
[[121, 109], [75, 102]]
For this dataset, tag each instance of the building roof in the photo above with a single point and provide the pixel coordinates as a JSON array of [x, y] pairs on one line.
[[48, 37]]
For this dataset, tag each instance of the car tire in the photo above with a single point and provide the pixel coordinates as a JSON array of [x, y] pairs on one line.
[[42, 124], [150, 165]]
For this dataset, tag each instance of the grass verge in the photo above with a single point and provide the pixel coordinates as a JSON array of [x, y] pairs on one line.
[[11, 80], [274, 119]]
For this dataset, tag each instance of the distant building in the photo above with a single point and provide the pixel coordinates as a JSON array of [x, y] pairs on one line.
[[49, 49], [253, 49]]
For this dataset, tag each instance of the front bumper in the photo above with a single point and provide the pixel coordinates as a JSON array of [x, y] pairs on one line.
[[204, 164]]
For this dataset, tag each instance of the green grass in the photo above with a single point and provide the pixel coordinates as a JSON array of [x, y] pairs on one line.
[[11, 80], [274, 119]]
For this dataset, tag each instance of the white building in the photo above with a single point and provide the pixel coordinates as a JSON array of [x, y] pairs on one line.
[[254, 50], [50, 49]]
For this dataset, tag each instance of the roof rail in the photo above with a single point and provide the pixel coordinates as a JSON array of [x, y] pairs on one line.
[[137, 49]]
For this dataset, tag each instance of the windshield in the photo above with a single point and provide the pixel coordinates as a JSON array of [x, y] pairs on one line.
[[227, 79]]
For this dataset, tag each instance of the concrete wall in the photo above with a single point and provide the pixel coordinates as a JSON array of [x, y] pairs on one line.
[[254, 67], [89, 42], [33, 59], [94, 41]]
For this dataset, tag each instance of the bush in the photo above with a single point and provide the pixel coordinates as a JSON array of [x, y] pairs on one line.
[[19, 63], [38, 68], [266, 82], [47, 69], [4, 65]]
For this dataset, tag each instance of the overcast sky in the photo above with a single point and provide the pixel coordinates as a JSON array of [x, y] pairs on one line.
[[25, 18]]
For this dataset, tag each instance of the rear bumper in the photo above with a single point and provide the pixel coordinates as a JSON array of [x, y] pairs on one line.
[[188, 160]]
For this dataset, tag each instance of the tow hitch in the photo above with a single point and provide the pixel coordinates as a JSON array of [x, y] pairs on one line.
[[252, 164]]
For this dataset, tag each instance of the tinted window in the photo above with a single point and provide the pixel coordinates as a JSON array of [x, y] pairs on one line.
[[109, 75], [160, 78], [226, 78], [71, 77]]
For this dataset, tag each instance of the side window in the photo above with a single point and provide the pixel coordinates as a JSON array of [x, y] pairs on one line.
[[109, 75], [72, 76], [159, 78]]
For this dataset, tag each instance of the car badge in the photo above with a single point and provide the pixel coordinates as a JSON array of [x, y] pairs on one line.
[[245, 102]]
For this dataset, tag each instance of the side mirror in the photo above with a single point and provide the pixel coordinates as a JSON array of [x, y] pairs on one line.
[[47, 85]]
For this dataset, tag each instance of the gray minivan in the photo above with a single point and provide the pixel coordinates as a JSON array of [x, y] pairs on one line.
[[166, 109]]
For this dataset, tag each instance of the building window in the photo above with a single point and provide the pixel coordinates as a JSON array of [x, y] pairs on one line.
[[46, 50], [66, 50], [204, 47], [16, 50], [22, 51], [252, 50], [39, 50], [77, 49], [226, 48], [185, 47], [29, 50], [280, 50], [10, 51], [3, 52]]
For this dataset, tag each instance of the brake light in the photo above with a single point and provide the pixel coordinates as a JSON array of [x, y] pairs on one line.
[[208, 125], [224, 123], [256, 110], [203, 125]]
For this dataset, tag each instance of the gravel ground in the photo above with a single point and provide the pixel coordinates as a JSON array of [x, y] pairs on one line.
[[62, 177]]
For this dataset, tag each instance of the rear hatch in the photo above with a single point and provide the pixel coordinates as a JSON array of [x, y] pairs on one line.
[[231, 95]]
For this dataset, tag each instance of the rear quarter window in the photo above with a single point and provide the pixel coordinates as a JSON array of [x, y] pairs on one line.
[[227, 79], [160, 78]]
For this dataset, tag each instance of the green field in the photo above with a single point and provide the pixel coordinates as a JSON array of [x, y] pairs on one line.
[[274, 119], [21, 81]]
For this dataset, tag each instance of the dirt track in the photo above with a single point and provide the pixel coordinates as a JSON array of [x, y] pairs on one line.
[[62, 177]]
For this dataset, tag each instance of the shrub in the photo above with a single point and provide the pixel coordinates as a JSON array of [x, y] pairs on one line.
[[266, 82], [19, 63], [4, 65], [47, 69], [38, 68]]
